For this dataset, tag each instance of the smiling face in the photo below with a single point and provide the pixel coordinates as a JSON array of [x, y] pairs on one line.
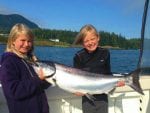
[[23, 44], [20, 40], [90, 42], [88, 37]]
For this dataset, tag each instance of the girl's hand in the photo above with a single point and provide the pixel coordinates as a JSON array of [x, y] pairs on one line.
[[41, 74], [79, 94], [120, 84]]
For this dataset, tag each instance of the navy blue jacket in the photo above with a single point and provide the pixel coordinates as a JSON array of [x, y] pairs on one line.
[[95, 62], [23, 90]]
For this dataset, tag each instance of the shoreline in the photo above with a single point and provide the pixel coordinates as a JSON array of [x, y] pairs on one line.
[[70, 46]]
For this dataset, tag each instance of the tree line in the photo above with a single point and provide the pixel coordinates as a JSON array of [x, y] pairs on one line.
[[67, 37]]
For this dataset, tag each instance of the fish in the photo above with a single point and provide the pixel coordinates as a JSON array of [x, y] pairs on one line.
[[75, 80]]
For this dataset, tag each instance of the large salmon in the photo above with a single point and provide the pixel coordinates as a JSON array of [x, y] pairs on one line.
[[75, 80]]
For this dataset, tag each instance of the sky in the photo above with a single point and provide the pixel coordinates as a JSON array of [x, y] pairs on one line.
[[119, 16]]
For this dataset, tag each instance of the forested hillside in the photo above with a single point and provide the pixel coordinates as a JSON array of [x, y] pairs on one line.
[[107, 39], [112, 40], [65, 37]]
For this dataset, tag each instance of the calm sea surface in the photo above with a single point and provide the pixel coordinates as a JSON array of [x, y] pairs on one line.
[[122, 61]]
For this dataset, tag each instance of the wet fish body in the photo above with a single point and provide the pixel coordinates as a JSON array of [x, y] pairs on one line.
[[75, 80]]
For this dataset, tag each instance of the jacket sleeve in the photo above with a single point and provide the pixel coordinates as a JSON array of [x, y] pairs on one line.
[[15, 87], [45, 84]]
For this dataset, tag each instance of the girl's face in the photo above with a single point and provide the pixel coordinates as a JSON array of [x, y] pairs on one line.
[[90, 42], [23, 44]]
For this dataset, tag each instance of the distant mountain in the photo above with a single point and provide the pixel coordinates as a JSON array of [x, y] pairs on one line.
[[7, 21]]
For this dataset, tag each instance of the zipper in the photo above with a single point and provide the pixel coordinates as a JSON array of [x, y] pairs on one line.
[[27, 67]]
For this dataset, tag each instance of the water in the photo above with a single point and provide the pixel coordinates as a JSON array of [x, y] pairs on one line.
[[122, 61]]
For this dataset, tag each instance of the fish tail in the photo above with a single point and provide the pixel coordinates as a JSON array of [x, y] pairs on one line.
[[133, 82]]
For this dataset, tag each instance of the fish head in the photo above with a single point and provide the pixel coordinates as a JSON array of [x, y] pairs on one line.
[[48, 69]]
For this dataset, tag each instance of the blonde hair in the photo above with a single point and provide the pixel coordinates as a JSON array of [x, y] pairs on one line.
[[83, 32], [15, 31]]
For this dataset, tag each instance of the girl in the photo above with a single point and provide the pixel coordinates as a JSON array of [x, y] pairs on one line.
[[22, 87], [94, 59]]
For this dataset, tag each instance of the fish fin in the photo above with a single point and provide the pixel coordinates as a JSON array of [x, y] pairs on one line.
[[134, 81], [112, 91], [90, 97], [52, 82]]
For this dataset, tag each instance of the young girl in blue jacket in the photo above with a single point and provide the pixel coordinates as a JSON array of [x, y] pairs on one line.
[[22, 87]]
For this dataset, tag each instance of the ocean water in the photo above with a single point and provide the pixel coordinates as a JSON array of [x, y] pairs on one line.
[[122, 61]]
